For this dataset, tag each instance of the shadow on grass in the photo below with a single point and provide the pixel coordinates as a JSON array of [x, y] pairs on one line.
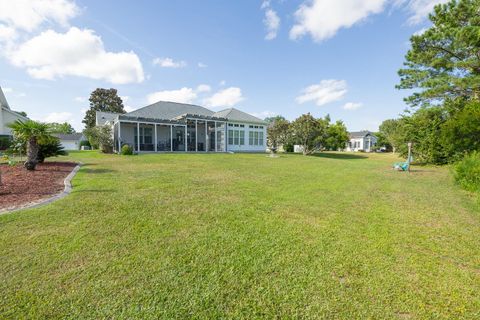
[[97, 190], [340, 156], [98, 171]]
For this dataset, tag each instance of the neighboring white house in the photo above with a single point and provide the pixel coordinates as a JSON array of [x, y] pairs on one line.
[[71, 141], [169, 126], [361, 141], [7, 116]]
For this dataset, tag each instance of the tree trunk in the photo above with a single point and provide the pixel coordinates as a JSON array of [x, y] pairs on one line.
[[32, 153]]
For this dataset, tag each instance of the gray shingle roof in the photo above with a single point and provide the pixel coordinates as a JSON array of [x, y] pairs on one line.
[[233, 114], [169, 110], [173, 112], [3, 100], [360, 134], [72, 136]]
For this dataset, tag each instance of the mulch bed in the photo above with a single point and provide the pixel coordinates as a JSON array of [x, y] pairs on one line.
[[20, 186]]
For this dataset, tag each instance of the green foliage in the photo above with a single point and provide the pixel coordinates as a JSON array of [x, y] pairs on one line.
[[65, 128], [85, 143], [441, 134], [100, 136], [309, 132], [105, 100], [467, 172], [5, 142], [50, 147], [288, 147], [461, 130], [317, 134], [31, 133], [389, 134], [444, 61], [127, 150], [337, 136], [278, 132], [273, 119]]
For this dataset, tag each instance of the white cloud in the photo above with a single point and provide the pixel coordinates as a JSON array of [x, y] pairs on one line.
[[272, 24], [76, 53], [169, 63], [204, 88], [352, 105], [28, 15], [420, 32], [322, 18], [222, 83], [264, 114], [59, 117], [124, 98], [183, 95], [228, 97], [129, 108], [265, 4], [7, 33], [202, 65], [418, 9], [325, 92], [80, 99], [5, 90]]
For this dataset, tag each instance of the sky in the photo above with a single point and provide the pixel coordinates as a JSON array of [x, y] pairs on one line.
[[277, 57]]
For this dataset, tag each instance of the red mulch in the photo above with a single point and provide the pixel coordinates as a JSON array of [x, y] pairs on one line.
[[20, 186]]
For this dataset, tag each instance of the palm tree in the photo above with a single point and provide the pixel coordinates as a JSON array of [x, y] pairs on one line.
[[30, 132]]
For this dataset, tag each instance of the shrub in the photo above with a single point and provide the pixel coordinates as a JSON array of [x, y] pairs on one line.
[[100, 136], [288, 147], [467, 172], [51, 147], [127, 150], [85, 143], [5, 142]]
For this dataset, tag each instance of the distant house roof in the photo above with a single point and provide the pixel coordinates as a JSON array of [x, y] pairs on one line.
[[174, 112], [169, 110], [104, 117], [233, 114], [71, 137], [360, 134]]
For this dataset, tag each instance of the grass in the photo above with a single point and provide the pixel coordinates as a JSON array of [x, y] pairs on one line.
[[245, 236]]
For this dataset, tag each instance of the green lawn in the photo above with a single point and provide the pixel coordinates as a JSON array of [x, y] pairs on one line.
[[245, 236]]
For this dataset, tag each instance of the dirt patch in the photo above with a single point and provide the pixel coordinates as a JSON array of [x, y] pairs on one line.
[[20, 186]]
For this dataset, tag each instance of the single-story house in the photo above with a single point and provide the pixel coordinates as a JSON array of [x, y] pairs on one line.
[[7, 116], [169, 126], [361, 141], [70, 141]]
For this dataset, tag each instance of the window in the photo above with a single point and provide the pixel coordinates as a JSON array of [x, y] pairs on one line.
[[251, 127], [250, 138], [236, 137], [260, 138], [230, 125], [242, 137], [235, 125], [230, 136], [242, 126]]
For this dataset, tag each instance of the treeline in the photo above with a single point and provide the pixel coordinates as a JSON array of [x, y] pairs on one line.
[[443, 120], [441, 134], [310, 133]]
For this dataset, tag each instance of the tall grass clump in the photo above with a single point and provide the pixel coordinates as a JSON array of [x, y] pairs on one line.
[[467, 172]]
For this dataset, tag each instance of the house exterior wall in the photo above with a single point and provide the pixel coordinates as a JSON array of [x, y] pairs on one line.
[[254, 140], [362, 143], [252, 134], [70, 144], [6, 118]]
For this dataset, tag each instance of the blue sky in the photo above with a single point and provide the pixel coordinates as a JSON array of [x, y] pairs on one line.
[[337, 57]]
